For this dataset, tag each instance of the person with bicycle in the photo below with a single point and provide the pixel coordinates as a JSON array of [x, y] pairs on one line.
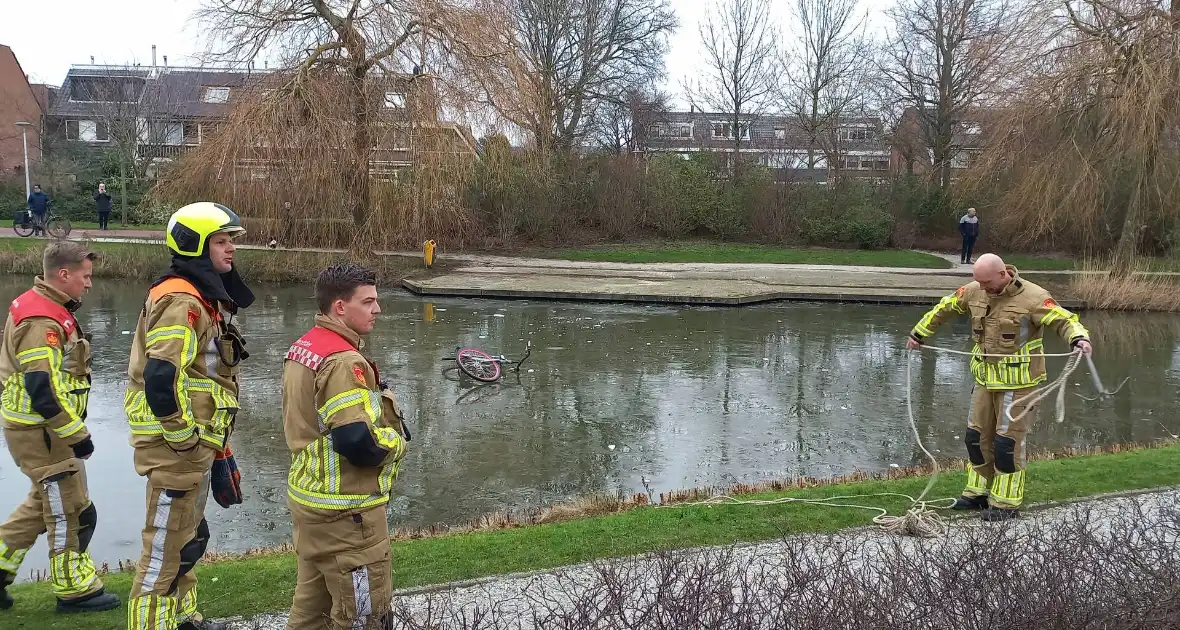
[[1008, 318], [347, 438], [38, 209]]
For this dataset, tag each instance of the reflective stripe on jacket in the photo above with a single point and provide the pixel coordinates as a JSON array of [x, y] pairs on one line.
[[327, 384], [1010, 324]]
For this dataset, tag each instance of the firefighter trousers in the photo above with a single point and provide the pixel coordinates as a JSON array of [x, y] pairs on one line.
[[57, 505], [164, 593], [344, 578], [996, 445]]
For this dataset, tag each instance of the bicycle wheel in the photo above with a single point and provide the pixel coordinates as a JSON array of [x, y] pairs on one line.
[[22, 229], [58, 227], [478, 364]]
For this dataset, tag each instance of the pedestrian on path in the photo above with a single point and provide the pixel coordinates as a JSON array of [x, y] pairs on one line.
[[969, 228], [102, 202], [39, 207]]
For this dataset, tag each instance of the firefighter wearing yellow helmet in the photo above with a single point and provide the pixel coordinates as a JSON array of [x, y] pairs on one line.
[[181, 400]]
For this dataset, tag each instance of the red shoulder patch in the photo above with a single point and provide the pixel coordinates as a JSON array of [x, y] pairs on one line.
[[359, 373], [1049, 303], [961, 291], [193, 317], [52, 338]]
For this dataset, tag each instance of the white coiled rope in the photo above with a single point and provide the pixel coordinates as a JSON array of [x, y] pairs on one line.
[[921, 519]]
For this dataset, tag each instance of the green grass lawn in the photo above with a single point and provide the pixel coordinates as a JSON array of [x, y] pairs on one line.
[[743, 253], [262, 584], [115, 225], [1056, 263]]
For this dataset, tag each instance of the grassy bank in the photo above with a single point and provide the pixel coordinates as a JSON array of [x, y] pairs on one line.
[[146, 261], [265, 582], [699, 252], [1060, 263]]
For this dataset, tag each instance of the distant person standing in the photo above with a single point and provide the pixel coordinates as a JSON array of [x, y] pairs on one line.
[[39, 207], [102, 201], [969, 228]]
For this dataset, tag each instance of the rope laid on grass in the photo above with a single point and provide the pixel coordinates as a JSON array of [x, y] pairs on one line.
[[921, 519]]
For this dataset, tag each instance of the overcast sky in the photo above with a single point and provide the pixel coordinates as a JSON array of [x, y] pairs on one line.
[[50, 35]]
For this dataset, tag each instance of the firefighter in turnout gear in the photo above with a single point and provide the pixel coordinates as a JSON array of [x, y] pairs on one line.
[[345, 431], [45, 370], [181, 400], [1008, 317]]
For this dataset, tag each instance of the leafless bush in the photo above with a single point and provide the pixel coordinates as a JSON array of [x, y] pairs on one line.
[[1115, 565]]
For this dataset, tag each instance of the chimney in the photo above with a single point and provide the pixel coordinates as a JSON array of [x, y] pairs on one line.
[[165, 61], [153, 55], [92, 60]]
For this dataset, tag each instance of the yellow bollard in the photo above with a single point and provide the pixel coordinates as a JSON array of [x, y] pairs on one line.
[[428, 252], [428, 312]]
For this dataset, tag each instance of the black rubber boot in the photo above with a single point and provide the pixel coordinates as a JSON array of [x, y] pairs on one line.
[[6, 600], [95, 602], [970, 503], [203, 624], [998, 515]]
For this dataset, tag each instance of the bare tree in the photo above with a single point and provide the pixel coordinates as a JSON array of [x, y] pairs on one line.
[[366, 43], [738, 42], [946, 56], [824, 75], [619, 125], [133, 116], [573, 57]]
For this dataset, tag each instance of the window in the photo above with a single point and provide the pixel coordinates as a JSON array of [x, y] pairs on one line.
[[678, 130], [192, 133], [780, 133], [866, 164], [723, 130], [856, 134], [88, 130], [216, 95], [395, 100], [882, 165], [972, 128]]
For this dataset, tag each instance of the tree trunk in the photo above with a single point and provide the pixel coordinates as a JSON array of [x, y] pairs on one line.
[[358, 164], [123, 188]]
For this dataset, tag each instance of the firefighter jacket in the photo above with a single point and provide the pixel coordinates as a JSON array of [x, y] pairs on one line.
[[340, 421], [1012, 324], [183, 388], [45, 366]]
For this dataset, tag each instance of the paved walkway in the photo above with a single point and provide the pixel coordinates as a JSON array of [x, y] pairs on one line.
[[517, 600], [721, 284]]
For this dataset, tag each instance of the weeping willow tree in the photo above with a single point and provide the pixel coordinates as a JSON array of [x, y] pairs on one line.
[[285, 157], [1088, 152], [346, 143]]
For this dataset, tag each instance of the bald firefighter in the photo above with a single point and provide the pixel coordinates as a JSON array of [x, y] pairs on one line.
[[345, 432], [181, 401], [45, 370], [1008, 317]]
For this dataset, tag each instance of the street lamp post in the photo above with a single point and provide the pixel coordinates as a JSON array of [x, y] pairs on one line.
[[25, 140]]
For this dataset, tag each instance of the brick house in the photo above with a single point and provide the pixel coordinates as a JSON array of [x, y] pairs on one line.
[[20, 101], [174, 109], [913, 146]]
